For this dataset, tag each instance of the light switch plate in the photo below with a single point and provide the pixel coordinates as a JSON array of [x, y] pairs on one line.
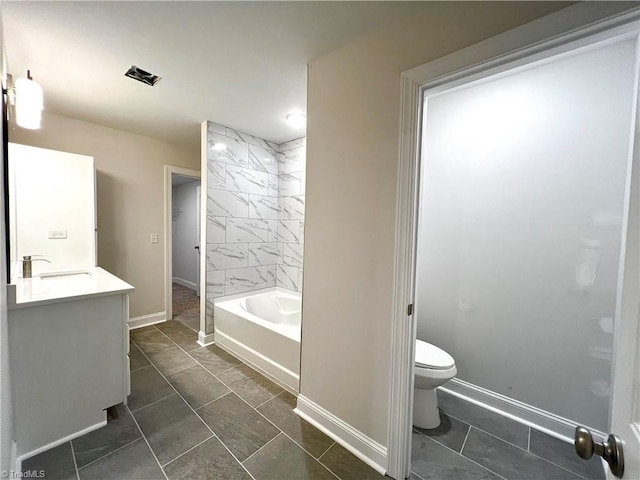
[[154, 238]]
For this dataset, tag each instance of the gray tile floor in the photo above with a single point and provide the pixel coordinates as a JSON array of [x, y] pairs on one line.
[[199, 413], [475, 443]]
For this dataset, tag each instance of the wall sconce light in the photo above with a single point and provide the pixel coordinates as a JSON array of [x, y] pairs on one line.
[[29, 102]]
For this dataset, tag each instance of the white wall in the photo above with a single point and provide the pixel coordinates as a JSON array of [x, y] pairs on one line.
[[185, 233], [352, 156], [255, 213], [291, 186]]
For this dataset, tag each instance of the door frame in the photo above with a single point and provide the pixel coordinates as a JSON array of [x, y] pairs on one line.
[[522, 44], [169, 170]]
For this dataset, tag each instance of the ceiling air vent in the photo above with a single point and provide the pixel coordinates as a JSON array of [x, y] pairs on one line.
[[142, 76]]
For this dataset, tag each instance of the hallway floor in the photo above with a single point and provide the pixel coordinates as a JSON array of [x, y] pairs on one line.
[[184, 300], [199, 413]]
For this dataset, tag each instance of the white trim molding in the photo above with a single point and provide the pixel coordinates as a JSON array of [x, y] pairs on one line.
[[185, 283], [145, 320], [363, 447], [547, 422], [204, 340], [521, 44], [169, 170], [403, 332], [204, 185], [58, 442]]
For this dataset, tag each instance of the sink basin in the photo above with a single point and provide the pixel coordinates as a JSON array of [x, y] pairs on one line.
[[70, 274]]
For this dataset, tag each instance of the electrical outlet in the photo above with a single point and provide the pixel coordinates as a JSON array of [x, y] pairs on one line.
[[154, 238], [57, 234]]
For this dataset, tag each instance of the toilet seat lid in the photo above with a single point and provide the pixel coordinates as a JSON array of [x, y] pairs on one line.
[[430, 356]]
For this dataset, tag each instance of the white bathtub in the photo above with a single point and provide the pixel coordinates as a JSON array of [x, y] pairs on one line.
[[263, 329]]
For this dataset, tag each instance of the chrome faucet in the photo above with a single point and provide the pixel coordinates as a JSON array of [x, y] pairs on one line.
[[26, 264]]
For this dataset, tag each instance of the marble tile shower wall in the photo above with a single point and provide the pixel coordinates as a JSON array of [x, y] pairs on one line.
[[255, 214]]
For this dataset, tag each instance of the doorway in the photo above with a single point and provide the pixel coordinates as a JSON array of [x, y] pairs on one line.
[[182, 249], [560, 238]]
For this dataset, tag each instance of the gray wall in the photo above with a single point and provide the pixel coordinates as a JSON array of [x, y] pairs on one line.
[[185, 233], [521, 225]]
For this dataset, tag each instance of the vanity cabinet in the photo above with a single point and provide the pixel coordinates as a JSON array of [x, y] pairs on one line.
[[69, 355]]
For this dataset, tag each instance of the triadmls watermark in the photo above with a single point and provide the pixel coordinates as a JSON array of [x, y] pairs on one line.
[[23, 474]]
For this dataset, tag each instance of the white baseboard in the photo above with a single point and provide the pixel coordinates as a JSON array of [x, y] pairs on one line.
[[58, 442], [145, 320], [185, 283], [363, 447], [278, 374], [547, 422], [205, 339]]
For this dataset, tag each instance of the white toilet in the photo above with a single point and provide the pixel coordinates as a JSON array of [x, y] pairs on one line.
[[433, 367]]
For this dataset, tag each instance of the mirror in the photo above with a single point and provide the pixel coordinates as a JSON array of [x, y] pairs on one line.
[[52, 209]]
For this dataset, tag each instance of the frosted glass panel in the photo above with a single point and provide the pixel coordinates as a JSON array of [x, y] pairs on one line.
[[522, 197]]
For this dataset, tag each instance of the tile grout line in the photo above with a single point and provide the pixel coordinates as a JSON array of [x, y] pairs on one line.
[[191, 408], [279, 433], [260, 413], [277, 428], [314, 458], [184, 453], [459, 454], [176, 393], [144, 437], [215, 399], [525, 451], [75, 463], [465, 440], [152, 403], [245, 401], [195, 410], [194, 359], [484, 431], [255, 409], [113, 451], [328, 448], [419, 477], [282, 432], [268, 400]]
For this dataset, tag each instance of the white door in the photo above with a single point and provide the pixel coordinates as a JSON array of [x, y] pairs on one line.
[[624, 414], [625, 401]]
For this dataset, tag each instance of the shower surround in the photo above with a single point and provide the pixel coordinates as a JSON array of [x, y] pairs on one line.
[[255, 214]]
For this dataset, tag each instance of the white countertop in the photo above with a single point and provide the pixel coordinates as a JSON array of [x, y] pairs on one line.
[[57, 287]]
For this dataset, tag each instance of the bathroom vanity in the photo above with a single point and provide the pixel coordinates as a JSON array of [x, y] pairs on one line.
[[68, 332], [69, 355]]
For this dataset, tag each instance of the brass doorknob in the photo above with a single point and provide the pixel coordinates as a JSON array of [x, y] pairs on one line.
[[611, 450]]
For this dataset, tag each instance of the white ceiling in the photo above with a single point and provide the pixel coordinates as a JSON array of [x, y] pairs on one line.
[[241, 64]]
